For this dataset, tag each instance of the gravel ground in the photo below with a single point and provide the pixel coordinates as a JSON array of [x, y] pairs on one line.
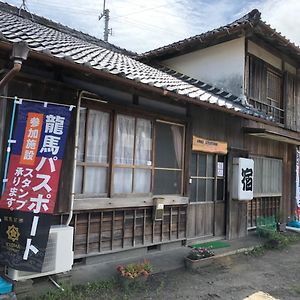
[[276, 272]]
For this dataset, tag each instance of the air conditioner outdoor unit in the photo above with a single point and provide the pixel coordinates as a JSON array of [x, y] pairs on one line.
[[58, 257]]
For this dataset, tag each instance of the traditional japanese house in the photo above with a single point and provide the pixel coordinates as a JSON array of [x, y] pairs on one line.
[[150, 152], [251, 60]]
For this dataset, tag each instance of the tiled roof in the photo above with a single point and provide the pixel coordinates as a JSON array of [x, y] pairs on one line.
[[251, 21], [61, 45]]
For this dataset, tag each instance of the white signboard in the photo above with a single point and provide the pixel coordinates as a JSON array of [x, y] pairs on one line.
[[243, 179], [220, 169]]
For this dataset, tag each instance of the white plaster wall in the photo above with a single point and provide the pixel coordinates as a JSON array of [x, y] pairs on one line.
[[264, 55], [221, 65]]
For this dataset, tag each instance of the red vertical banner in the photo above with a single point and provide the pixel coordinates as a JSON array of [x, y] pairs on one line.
[[29, 198]]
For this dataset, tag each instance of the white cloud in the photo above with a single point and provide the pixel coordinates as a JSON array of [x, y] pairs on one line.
[[141, 25], [283, 16]]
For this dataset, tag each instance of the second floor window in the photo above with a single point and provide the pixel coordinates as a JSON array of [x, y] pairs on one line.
[[265, 88]]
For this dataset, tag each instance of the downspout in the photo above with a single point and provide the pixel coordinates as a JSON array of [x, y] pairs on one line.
[[74, 160], [19, 54], [11, 74]]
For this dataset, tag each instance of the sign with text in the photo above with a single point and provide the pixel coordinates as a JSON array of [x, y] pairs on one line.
[[203, 145], [28, 201], [243, 178]]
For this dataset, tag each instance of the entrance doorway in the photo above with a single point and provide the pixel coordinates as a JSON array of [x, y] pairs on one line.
[[206, 211]]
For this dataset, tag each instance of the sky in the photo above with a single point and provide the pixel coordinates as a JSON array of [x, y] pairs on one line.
[[143, 25]]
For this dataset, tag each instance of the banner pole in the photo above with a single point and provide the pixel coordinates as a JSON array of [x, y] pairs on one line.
[[8, 149]]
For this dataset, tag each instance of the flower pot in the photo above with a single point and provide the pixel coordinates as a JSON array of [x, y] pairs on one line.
[[129, 283], [191, 264]]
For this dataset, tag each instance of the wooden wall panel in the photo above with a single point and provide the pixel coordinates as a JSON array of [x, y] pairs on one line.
[[292, 101], [200, 219], [113, 230], [219, 218], [264, 147], [218, 126]]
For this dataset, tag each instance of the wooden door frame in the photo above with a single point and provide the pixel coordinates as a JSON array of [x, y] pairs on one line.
[[234, 208]]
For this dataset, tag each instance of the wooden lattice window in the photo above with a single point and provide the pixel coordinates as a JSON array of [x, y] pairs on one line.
[[265, 88]]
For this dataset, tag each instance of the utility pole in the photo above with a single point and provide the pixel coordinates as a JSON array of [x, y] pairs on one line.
[[25, 8], [107, 31]]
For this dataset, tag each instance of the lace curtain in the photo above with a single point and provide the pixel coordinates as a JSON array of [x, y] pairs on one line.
[[129, 129], [96, 151]]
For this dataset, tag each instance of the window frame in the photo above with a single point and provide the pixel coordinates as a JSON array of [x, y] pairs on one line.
[[264, 160], [214, 178], [264, 102], [84, 164], [127, 166], [182, 154], [111, 165]]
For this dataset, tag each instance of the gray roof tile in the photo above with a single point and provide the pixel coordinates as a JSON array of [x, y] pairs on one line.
[[250, 20], [61, 45]]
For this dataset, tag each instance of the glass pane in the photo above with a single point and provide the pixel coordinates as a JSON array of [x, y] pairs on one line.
[[95, 180], [209, 190], [202, 165], [142, 181], [97, 136], [193, 165], [143, 144], [221, 158], [124, 140], [193, 191], [210, 165], [201, 190], [167, 182], [81, 134], [220, 189], [168, 146], [122, 183], [78, 180]]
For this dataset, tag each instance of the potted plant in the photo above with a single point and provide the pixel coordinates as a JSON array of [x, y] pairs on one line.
[[134, 273], [198, 257]]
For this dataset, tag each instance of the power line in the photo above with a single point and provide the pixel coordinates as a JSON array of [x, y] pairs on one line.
[[147, 26], [117, 18], [145, 9]]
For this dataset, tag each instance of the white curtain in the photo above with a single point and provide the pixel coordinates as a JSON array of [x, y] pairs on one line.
[[142, 181], [177, 141], [97, 136], [97, 123], [95, 180], [122, 181], [126, 131], [143, 144], [124, 140]]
